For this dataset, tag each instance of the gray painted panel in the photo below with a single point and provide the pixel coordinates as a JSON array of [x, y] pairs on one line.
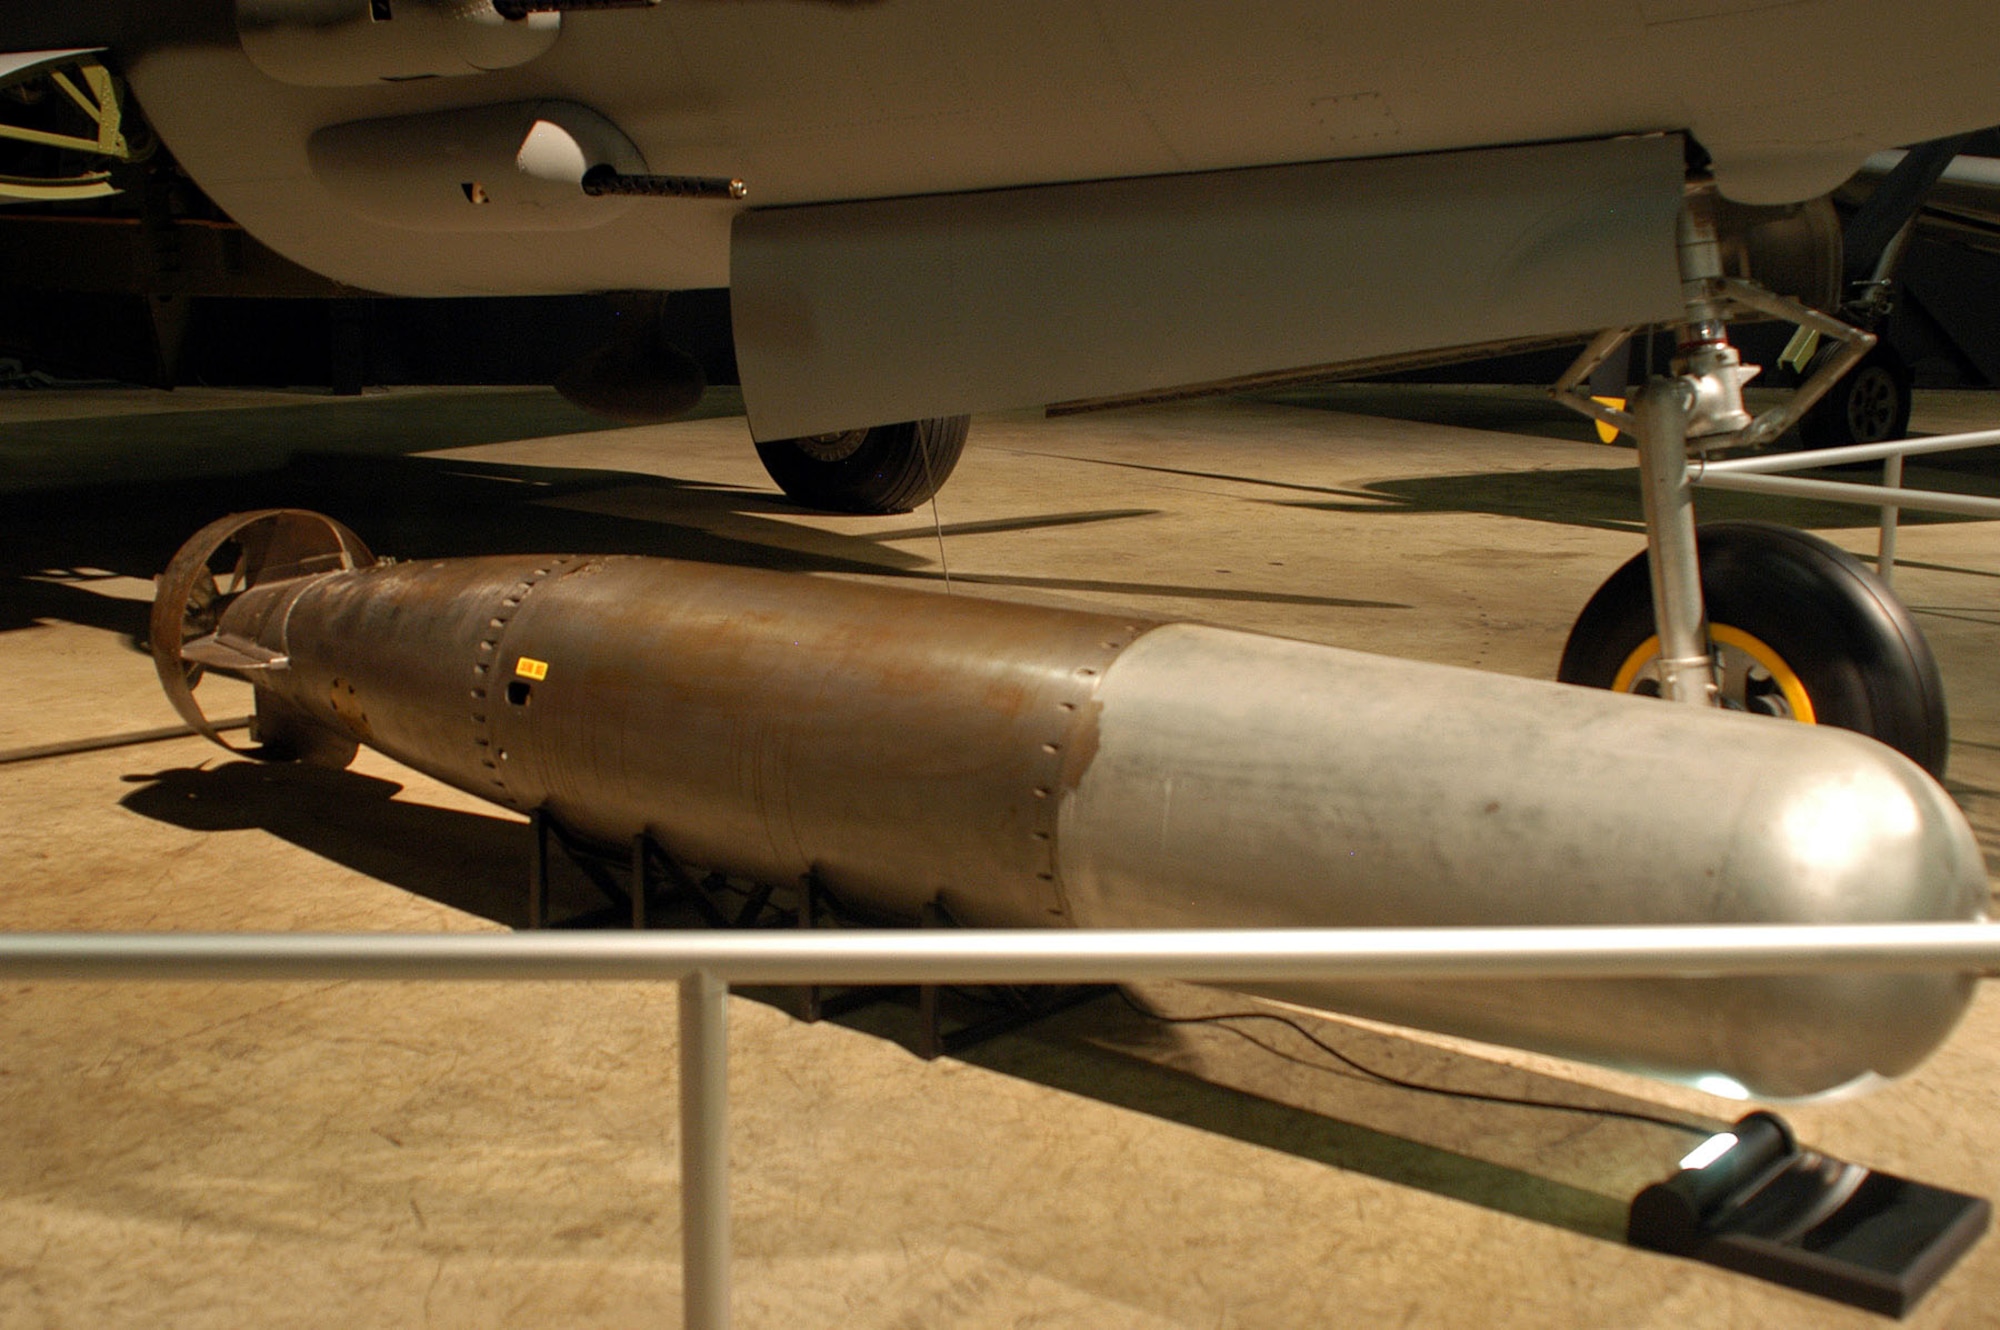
[[863, 313]]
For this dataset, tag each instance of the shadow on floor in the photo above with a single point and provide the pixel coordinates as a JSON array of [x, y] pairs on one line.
[[117, 496], [1608, 499], [1512, 411], [1567, 1168], [45, 456], [1564, 1169], [472, 862], [1601, 497]]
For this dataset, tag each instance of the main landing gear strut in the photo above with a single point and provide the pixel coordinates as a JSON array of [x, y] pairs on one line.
[[1742, 615]]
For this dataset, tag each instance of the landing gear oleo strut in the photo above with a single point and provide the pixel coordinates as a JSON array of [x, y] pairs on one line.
[[1760, 619]]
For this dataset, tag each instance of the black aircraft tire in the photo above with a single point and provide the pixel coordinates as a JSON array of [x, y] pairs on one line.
[[1869, 404], [1810, 616], [887, 469]]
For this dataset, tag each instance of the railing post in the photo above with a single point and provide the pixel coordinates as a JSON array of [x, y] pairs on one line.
[[1885, 553], [705, 1151]]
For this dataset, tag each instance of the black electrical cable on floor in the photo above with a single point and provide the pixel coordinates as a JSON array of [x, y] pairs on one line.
[[1221, 1021]]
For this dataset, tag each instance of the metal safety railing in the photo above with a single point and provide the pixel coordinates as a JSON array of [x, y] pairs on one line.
[[705, 965], [1768, 474]]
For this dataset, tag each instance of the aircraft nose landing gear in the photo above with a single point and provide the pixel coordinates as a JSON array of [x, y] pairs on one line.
[[1743, 615], [1799, 629]]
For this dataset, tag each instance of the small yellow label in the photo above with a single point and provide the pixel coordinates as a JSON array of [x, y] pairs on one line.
[[527, 667], [1608, 433]]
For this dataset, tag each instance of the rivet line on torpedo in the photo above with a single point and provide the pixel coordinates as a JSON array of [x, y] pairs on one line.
[[488, 671]]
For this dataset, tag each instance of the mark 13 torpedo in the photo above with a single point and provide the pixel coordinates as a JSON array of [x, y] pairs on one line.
[[1029, 767]]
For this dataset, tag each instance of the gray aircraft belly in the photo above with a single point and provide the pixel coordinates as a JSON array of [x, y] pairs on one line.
[[814, 102], [1025, 296]]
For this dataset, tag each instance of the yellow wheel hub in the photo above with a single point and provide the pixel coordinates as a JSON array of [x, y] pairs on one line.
[[1747, 665]]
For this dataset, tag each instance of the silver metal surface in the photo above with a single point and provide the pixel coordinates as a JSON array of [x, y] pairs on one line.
[[1885, 548], [1733, 297], [1854, 344], [1391, 793], [1020, 767], [1860, 452], [1687, 673], [1009, 956], [1707, 363], [704, 1021], [1842, 491], [1765, 475]]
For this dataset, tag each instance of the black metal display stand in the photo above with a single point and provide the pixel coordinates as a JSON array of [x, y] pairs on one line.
[[651, 877], [1004, 1010], [1759, 1204]]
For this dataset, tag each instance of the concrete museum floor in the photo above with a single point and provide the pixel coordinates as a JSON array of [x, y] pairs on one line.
[[410, 1154]]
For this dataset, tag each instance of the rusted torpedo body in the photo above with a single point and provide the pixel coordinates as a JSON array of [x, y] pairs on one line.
[[1028, 767]]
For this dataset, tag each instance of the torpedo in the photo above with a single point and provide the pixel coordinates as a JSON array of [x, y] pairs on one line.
[[1020, 766]]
